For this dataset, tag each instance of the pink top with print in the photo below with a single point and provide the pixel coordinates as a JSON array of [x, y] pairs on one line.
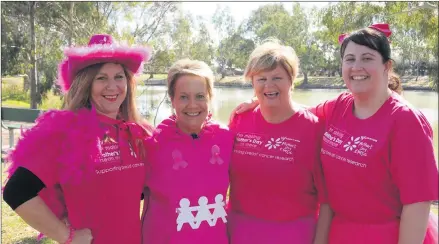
[[376, 165], [107, 202], [188, 180], [275, 171]]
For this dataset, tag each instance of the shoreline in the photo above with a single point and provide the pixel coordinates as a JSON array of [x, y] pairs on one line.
[[329, 86]]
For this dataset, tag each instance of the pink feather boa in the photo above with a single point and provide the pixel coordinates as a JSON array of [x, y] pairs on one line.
[[68, 140]]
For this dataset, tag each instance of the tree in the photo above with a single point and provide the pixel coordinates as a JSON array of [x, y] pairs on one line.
[[35, 32], [152, 28], [414, 35], [149, 19], [202, 47], [290, 29], [14, 38], [236, 49], [224, 24], [33, 71], [181, 35], [341, 18]]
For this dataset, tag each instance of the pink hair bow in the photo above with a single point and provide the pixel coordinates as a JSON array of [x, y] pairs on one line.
[[382, 27]]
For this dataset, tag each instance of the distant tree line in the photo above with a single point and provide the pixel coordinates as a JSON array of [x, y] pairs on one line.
[[33, 35]]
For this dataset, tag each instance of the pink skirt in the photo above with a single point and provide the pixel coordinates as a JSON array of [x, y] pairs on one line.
[[346, 232], [244, 229]]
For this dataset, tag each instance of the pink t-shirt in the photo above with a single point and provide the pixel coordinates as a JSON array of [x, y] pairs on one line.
[[107, 201], [276, 178], [188, 180], [374, 166]]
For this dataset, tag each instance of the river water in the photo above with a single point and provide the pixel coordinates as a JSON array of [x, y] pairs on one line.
[[226, 99]]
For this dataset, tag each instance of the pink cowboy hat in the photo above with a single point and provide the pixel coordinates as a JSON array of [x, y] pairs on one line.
[[100, 49]]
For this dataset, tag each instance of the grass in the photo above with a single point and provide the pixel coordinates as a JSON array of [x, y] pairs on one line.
[[15, 80], [13, 95], [15, 103], [51, 102], [14, 229]]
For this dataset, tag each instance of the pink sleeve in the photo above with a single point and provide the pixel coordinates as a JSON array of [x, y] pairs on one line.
[[39, 150], [412, 161], [234, 123], [324, 110], [318, 176]]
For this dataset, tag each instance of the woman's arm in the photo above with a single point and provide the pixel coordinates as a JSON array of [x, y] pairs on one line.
[[243, 107], [323, 224], [21, 194], [36, 214], [414, 170], [414, 221]]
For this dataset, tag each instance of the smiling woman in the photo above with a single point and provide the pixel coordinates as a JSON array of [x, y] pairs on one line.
[[282, 154], [272, 69], [368, 141], [189, 155], [109, 89], [93, 145], [190, 86], [360, 59]]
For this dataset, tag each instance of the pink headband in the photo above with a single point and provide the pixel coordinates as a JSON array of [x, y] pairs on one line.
[[382, 27]]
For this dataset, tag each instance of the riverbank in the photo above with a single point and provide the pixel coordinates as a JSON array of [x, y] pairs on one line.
[[422, 83]]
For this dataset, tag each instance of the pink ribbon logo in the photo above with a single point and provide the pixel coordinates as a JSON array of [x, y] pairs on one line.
[[216, 159], [178, 160]]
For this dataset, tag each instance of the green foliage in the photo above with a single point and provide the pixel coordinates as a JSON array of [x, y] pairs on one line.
[[202, 47], [174, 34], [51, 101], [57, 24], [14, 92]]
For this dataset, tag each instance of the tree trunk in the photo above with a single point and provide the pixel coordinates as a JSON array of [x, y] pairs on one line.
[[33, 72], [417, 70], [305, 78], [223, 72], [70, 40]]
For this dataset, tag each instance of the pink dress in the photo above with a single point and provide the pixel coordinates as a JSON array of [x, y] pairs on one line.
[[276, 179], [93, 169], [187, 180], [374, 166]]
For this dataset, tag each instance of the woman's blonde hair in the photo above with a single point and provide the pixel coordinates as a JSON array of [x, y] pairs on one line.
[[268, 56], [190, 67], [78, 96]]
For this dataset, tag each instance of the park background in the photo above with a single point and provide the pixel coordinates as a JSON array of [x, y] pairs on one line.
[[33, 35]]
